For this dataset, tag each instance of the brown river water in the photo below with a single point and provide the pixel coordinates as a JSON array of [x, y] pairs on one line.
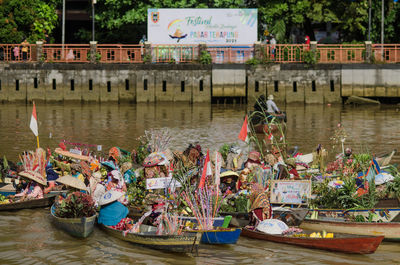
[[28, 237]]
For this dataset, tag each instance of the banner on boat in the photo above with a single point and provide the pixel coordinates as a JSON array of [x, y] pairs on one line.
[[290, 191], [202, 25], [161, 183]]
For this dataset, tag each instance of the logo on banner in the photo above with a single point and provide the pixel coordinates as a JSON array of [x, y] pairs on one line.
[[155, 16]]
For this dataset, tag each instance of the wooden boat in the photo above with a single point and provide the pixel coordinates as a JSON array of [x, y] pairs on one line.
[[380, 214], [391, 231], [78, 227], [260, 126], [221, 236], [218, 221], [361, 100], [28, 204], [187, 242], [340, 243], [291, 216]]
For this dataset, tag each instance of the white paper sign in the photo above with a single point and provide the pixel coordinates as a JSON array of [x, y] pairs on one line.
[[202, 25], [75, 151], [290, 191], [99, 147], [161, 183]]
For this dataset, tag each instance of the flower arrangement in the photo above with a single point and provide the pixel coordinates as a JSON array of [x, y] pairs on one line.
[[76, 205]]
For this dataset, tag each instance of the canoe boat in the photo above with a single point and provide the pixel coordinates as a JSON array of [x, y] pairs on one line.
[[291, 216], [187, 242], [28, 204], [221, 236], [380, 214], [340, 243], [218, 221], [361, 100], [391, 231], [78, 227]]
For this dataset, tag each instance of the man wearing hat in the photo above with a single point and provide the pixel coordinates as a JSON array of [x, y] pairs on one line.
[[271, 106]]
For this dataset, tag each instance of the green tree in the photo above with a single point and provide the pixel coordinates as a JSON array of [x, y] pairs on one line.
[[30, 19]]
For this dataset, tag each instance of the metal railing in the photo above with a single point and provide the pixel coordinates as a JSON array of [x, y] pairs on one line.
[[111, 53], [349, 53], [230, 54], [174, 53], [388, 53], [118, 53], [68, 53], [17, 52]]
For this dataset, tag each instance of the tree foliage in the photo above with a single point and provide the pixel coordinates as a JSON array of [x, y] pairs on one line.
[[26, 19]]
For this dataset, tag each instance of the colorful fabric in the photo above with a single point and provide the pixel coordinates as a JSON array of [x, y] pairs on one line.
[[33, 191], [112, 214], [115, 153], [124, 224]]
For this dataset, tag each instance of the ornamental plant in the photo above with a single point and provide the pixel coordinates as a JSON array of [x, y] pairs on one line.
[[76, 205]]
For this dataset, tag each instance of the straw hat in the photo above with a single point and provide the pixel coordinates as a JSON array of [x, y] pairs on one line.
[[97, 176], [72, 182], [110, 196], [229, 173], [32, 175], [271, 97], [125, 167]]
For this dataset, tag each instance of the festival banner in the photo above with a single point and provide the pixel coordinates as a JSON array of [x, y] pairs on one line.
[[290, 191], [202, 25]]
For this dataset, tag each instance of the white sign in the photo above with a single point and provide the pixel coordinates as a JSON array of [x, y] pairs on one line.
[[162, 183], [202, 25], [290, 191], [75, 151]]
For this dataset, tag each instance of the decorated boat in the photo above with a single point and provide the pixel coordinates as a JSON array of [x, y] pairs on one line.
[[217, 221], [221, 236], [46, 201], [78, 227], [346, 243], [147, 237], [290, 216], [391, 231], [376, 215]]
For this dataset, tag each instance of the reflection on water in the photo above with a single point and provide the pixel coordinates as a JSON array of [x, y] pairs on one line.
[[28, 237]]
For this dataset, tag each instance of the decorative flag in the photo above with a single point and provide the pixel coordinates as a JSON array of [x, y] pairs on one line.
[[34, 125], [218, 163], [206, 171], [271, 137], [243, 135]]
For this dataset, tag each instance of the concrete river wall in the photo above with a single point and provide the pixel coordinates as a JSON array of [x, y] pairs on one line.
[[196, 83]]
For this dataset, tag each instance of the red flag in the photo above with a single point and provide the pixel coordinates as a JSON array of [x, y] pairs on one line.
[[33, 125], [243, 135], [271, 137], [206, 171]]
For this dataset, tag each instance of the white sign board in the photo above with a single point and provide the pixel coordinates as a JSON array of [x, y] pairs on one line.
[[161, 183], [290, 191], [202, 25]]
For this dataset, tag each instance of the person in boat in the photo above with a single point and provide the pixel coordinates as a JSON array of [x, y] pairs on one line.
[[113, 213], [260, 208], [253, 159], [242, 183], [271, 106], [228, 182], [76, 172], [33, 190], [52, 176], [292, 169], [128, 173], [117, 182]]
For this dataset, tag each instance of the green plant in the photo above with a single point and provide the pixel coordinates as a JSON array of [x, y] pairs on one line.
[[224, 150], [76, 205], [205, 57], [137, 191], [97, 56], [147, 58], [310, 57], [253, 61]]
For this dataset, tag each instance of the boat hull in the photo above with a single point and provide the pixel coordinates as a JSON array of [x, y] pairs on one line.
[[187, 243], [380, 214], [77, 227], [223, 236], [391, 231], [29, 204], [343, 243], [218, 221]]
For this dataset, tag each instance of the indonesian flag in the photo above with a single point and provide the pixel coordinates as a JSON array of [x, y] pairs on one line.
[[218, 164], [206, 171], [34, 125], [243, 135], [271, 137]]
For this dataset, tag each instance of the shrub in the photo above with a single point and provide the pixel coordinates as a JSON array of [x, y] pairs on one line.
[[205, 58]]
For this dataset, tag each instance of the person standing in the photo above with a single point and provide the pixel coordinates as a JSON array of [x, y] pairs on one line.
[[273, 46], [24, 50]]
